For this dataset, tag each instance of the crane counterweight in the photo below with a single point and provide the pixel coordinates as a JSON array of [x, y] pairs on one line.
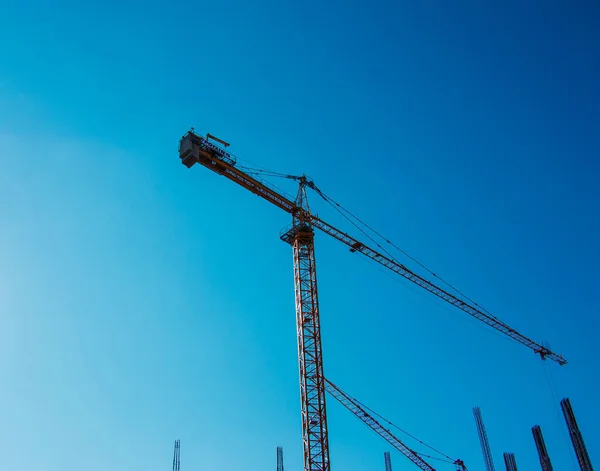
[[194, 148]]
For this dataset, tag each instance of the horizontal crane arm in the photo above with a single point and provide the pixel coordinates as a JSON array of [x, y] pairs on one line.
[[194, 148], [363, 415], [396, 267]]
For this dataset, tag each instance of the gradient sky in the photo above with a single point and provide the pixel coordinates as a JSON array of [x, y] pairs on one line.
[[142, 302]]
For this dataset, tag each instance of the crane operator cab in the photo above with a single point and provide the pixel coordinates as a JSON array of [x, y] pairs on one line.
[[194, 148]]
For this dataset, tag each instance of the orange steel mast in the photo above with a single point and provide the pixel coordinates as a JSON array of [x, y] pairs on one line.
[[310, 356]]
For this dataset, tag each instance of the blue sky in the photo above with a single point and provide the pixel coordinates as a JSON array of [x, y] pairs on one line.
[[142, 302]]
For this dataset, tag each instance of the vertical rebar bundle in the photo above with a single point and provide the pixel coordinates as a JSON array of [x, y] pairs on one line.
[[580, 450], [279, 458], [485, 445], [510, 462], [176, 456], [388, 461], [541, 448]]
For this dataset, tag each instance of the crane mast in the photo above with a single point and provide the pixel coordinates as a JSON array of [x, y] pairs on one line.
[[310, 355]]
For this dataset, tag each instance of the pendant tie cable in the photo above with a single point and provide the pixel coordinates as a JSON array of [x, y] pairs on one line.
[[260, 173]]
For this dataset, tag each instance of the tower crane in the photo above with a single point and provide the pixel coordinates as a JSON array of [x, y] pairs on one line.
[[193, 148]]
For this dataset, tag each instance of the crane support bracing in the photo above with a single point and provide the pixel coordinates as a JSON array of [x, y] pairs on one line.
[[354, 407]]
